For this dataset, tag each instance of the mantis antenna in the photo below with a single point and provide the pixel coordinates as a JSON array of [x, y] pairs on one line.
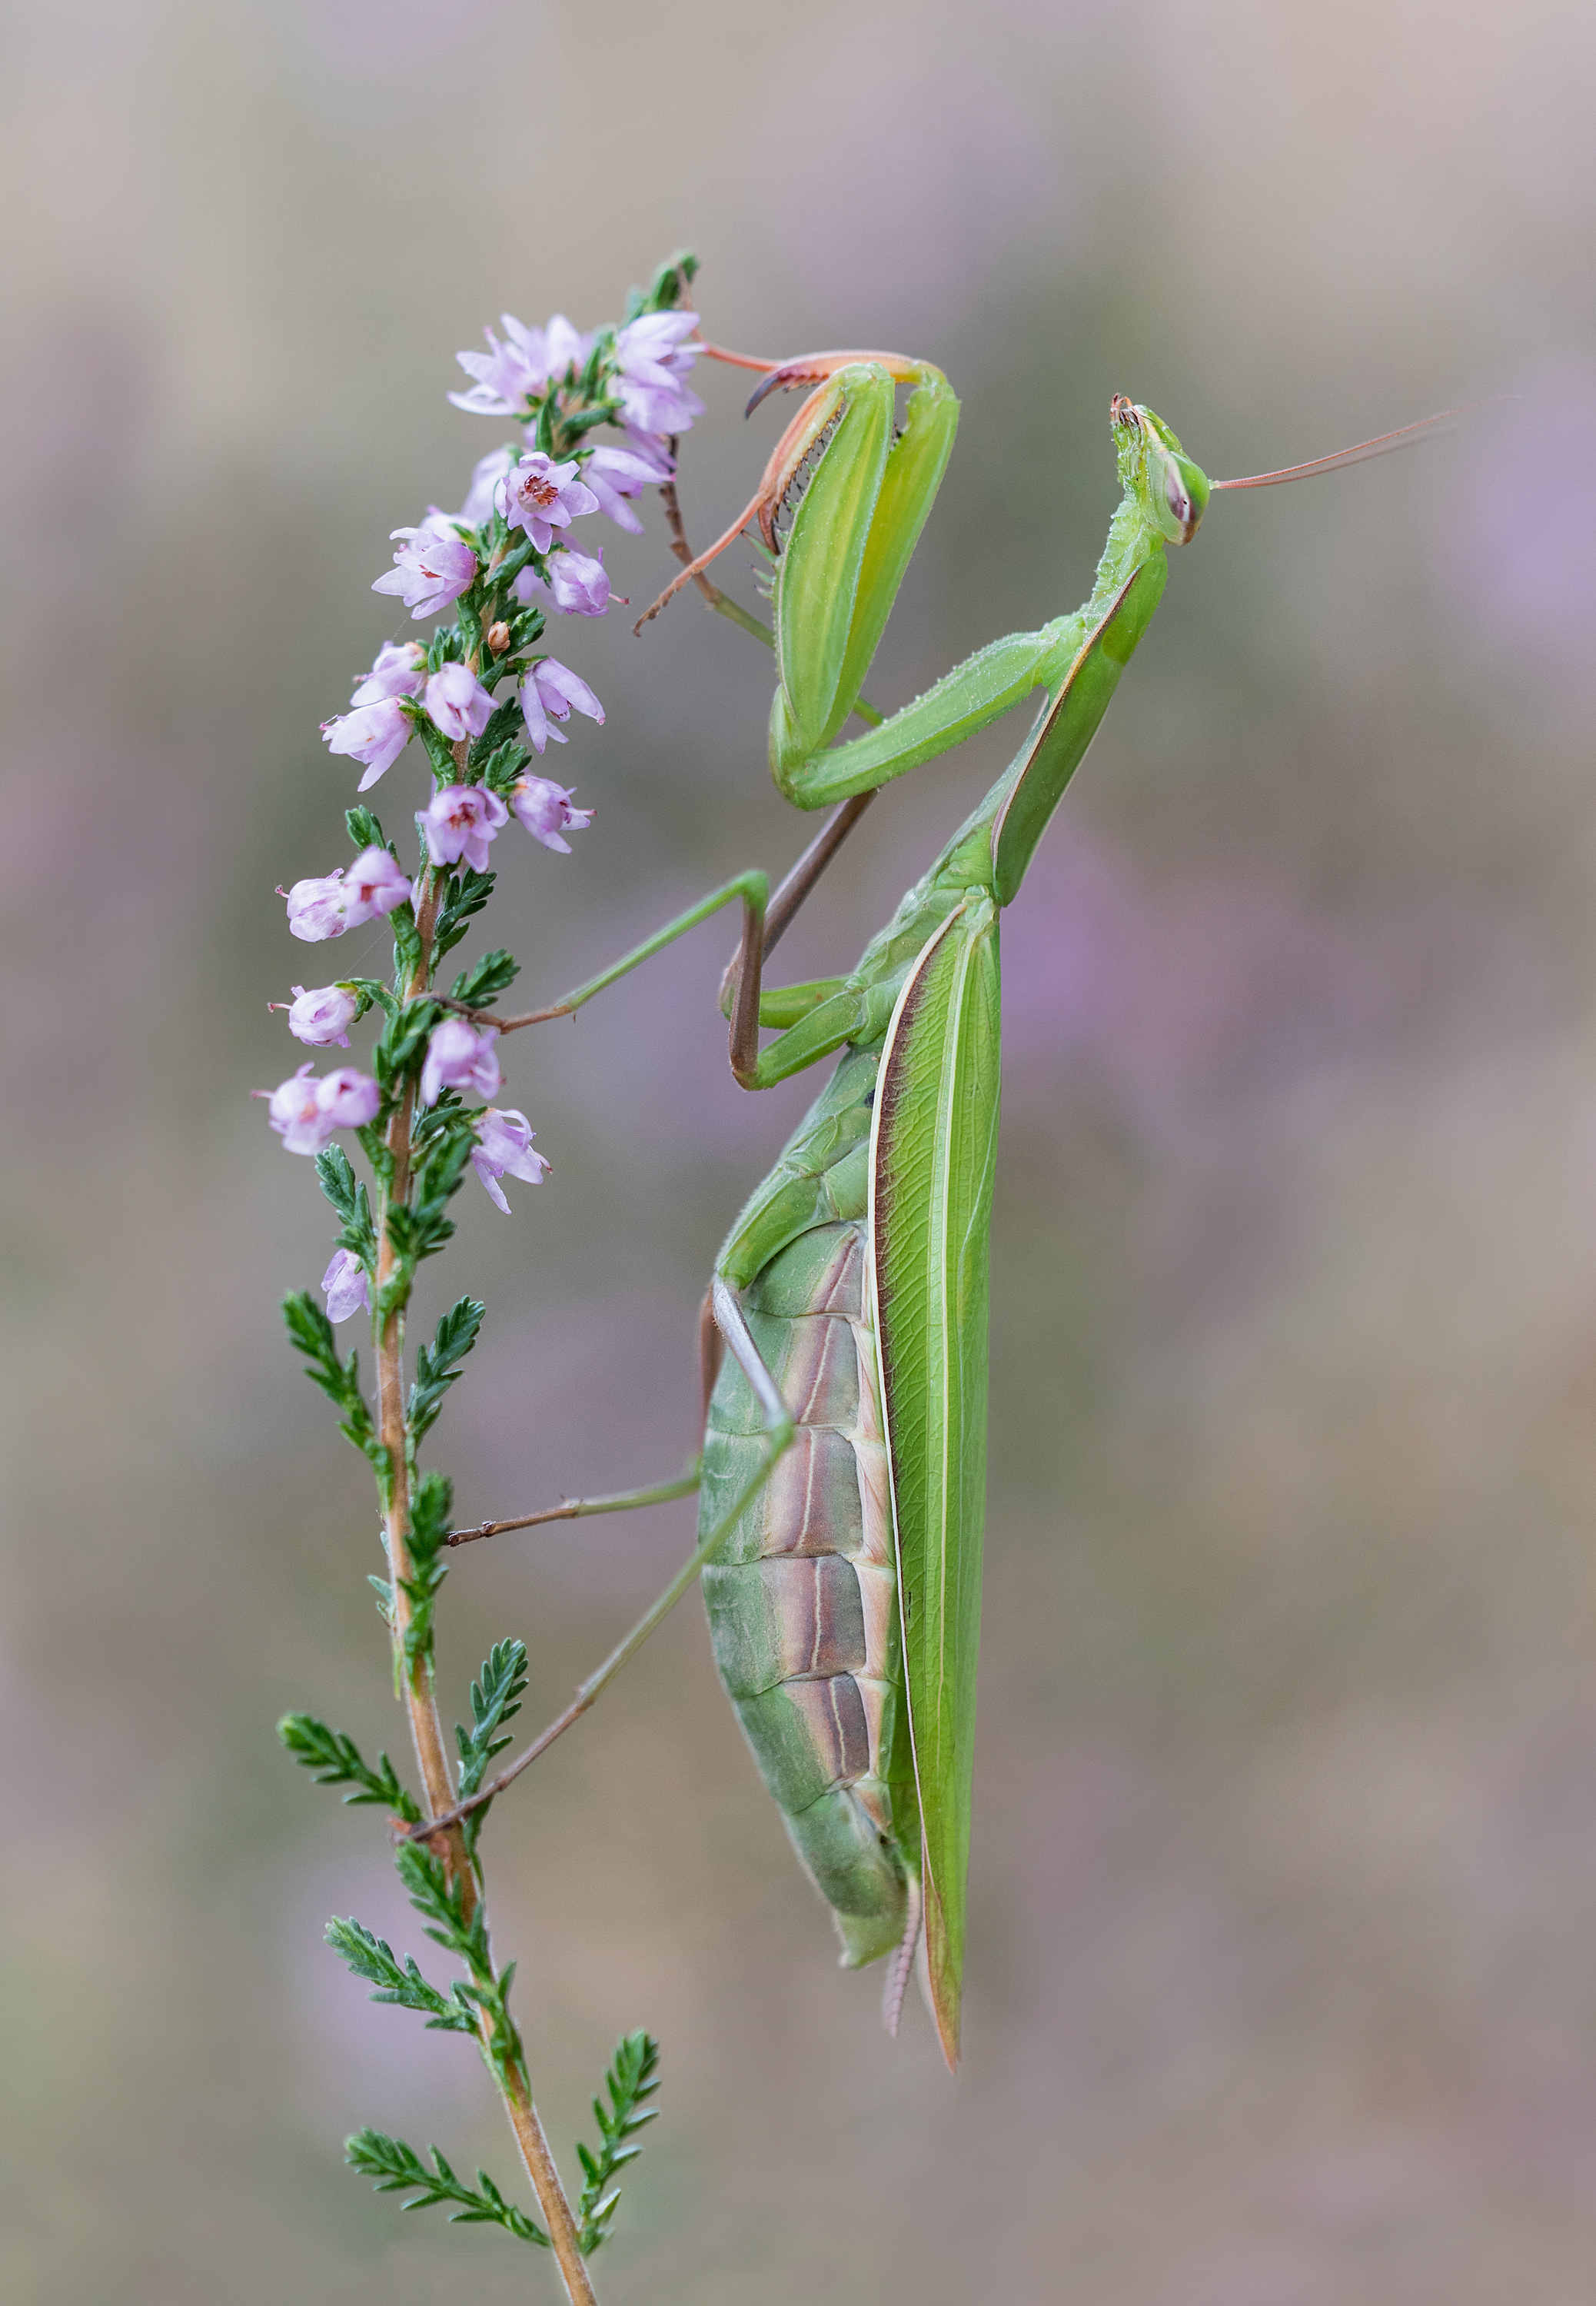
[[1384, 444]]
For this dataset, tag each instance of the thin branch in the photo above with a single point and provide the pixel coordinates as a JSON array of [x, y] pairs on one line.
[[504, 1024]]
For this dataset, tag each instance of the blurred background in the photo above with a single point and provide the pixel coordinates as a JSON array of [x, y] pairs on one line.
[[1282, 1962]]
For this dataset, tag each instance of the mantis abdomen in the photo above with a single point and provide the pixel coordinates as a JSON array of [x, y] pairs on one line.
[[802, 1599]]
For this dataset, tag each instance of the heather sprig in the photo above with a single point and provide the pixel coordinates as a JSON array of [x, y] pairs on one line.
[[593, 419]]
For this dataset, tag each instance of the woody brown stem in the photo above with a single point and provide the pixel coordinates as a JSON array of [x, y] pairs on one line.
[[426, 1724]]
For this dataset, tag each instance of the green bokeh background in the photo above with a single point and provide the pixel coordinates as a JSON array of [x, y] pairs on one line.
[[1282, 1959]]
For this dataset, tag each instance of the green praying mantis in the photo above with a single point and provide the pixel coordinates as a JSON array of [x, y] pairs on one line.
[[843, 1340]]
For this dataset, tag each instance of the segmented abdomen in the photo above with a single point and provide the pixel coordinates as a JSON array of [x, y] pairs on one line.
[[802, 1600]]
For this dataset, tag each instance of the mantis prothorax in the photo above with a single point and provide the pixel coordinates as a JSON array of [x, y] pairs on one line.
[[842, 1474]]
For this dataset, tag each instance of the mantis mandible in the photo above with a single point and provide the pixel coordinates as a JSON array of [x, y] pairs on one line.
[[843, 1340]]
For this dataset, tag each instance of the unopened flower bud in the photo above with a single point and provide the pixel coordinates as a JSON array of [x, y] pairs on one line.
[[498, 638], [323, 1017]]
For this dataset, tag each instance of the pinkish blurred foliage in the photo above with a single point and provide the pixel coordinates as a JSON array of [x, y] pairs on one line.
[[1513, 550]]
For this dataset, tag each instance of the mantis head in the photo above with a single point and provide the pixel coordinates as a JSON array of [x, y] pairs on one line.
[[1173, 491]]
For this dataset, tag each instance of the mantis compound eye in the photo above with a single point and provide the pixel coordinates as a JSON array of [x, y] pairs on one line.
[[1180, 497]]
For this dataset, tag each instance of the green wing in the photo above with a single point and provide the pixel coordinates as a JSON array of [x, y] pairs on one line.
[[934, 1143]]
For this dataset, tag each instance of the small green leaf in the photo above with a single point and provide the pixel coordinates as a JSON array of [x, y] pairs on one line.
[[395, 2167], [436, 1365], [364, 830], [337, 1760], [312, 1333], [633, 2076], [464, 896], [400, 1983], [486, 978]]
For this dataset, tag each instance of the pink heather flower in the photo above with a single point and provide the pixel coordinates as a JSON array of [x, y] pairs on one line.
[[376, 734], [293, 1109], [653, 361], [349, 1099], [433, 569], [548, 693], [375, 885], [483, 494], [545, 809], [508, 375], [305, 1112], [345, 1281], [326, 908], [323, 1017], [577, 585], [397, 672], [541, 496], [457, 702], [317, 909], [614, 474], [504, 1150], [457, 1057], [461, 821]]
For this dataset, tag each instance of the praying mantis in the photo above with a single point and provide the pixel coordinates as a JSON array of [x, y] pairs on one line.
[[843, 1340]]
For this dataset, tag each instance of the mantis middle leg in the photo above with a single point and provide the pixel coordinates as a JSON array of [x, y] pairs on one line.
[[779, 1428]]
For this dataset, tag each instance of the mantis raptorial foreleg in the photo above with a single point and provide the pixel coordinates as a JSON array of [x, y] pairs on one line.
[[779, 1429]]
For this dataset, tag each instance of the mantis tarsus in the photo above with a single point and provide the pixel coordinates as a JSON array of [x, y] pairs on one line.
[[842, 1474]]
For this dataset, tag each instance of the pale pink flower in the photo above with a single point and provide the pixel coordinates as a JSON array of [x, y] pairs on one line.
[[326, 906], [376, 734], [294, 1110], [305, 1112], [614, 474], [317, 909], [323, 1017], [548, 693], [541, 496], [510, 374], [504, 1150], [345, 1281], [457, 702], [375, 885], [460, 820], [349, 1100], [578, 585], [458, 1057], [545, 809], [397, 672], [652, 362], [430, 571]]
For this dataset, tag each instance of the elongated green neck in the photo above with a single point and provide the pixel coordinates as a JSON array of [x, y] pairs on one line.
[[998, 841]]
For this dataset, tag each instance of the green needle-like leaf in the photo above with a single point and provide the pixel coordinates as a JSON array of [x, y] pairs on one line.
[[400, 1982], [395, 2167], [337, 1760], [633, 2076]]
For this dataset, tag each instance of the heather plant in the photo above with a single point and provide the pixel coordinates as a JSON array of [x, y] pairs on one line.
[[472, 702]]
